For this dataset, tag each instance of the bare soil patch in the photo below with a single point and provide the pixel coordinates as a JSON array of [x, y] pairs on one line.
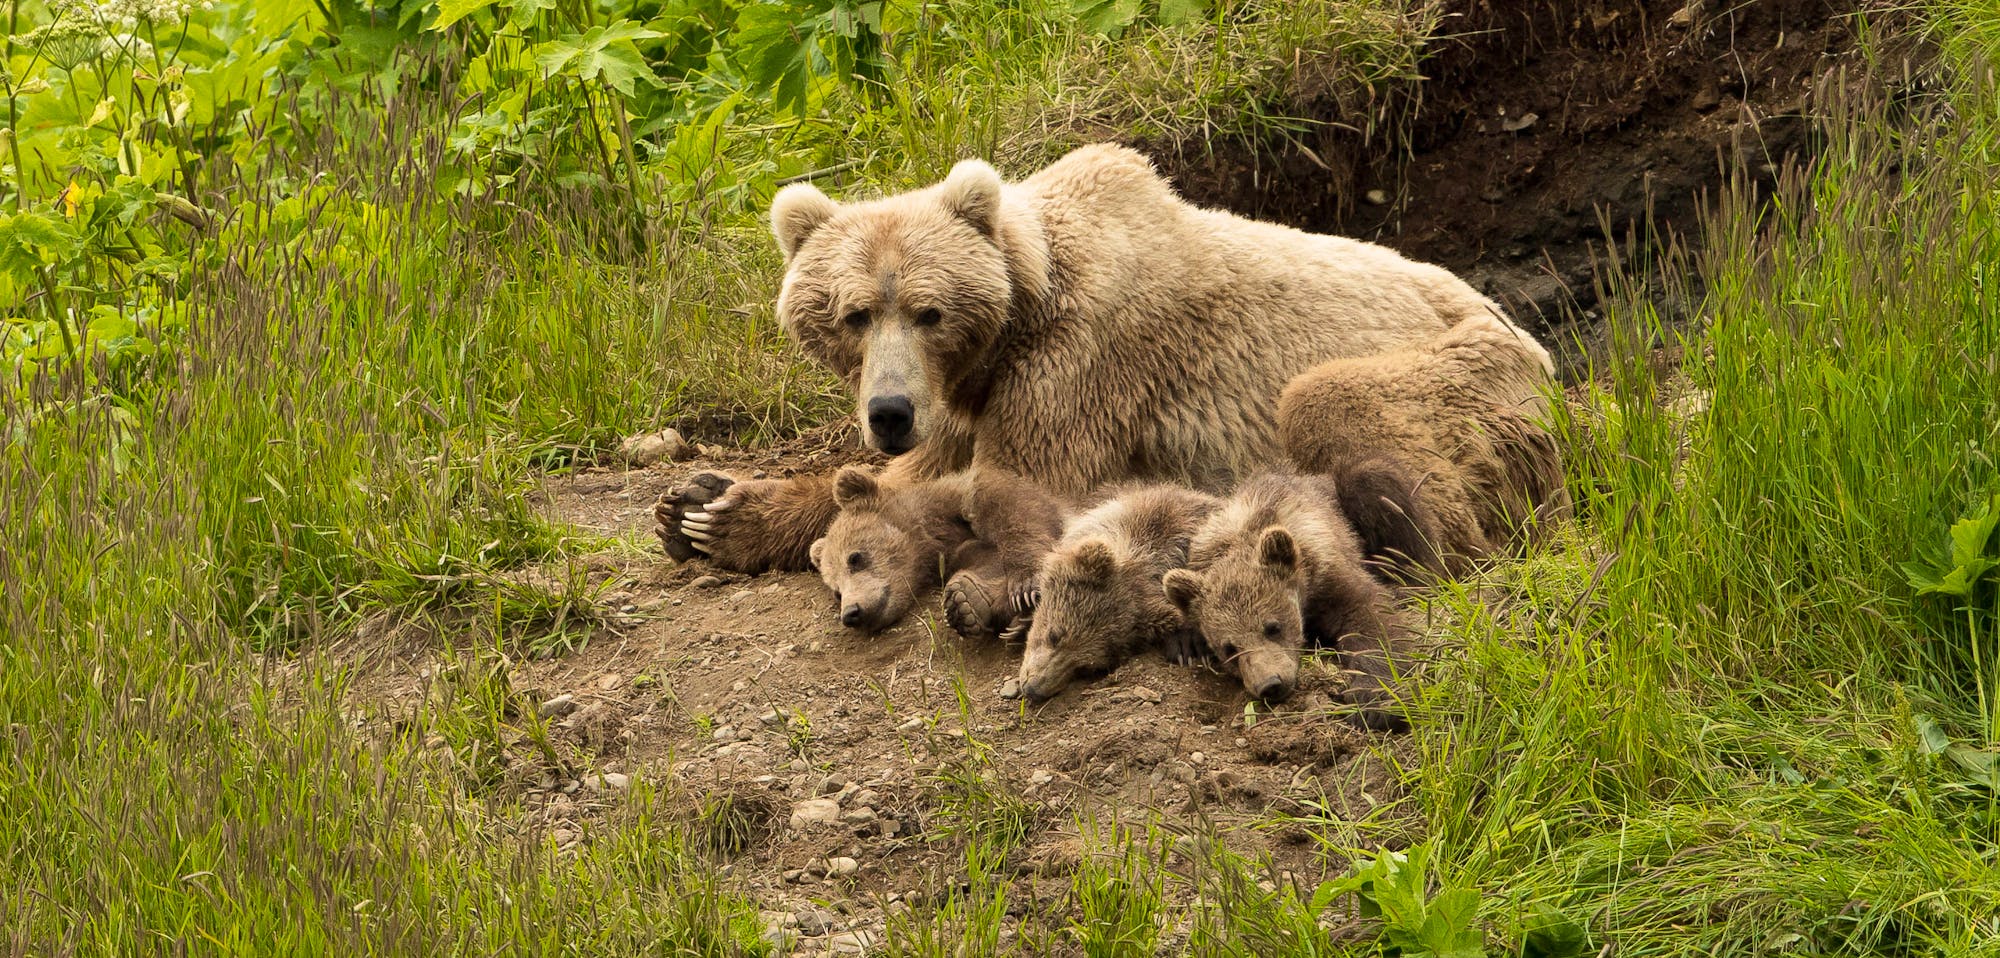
[[834, 775]]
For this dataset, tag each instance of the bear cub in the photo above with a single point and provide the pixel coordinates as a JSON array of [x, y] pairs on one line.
[[1453, 424], [987, 531], [1278, 569], [1098, 599]]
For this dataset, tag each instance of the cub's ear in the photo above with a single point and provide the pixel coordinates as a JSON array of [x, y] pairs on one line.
[[796, 211], [814, 551], [855, 487], [1094, 562], [1276, 549], [972, 193], [1182, 587]]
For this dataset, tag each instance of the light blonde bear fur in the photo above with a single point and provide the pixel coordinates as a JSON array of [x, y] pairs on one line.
[[1461, 415], [1082, 326]]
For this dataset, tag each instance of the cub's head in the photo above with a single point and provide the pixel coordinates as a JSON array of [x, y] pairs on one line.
[[1095, 607], [873, 564], [1247, 607], [903, 296]]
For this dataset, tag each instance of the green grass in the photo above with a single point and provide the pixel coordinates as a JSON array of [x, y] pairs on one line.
[[1713, 717]]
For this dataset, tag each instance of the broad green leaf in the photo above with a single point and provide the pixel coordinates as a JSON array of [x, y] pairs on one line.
[[30, 241], [1108, 17], [603, 53], [1176, 12], [452, 11]]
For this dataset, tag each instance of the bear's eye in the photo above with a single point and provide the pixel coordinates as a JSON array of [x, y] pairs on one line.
[[929, 317], [1228, 650], [856, 562], [856, 319], [1272, 630], [1055, 638]]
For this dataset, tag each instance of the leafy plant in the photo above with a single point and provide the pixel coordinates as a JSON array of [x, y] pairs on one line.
[[1395, 888], [1113, 17]]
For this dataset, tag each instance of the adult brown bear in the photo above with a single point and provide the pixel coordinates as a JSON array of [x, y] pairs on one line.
[[1082, 326]]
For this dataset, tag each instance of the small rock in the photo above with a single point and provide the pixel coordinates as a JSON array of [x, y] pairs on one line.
[[793, 875], [558, 707], [1197, 758], [644, 450], [849, 943], [831, 784], [847, 793], [1146, 695], [1519, 123], [888, 827], [815, 811], [707, 582], [726, 733], [1242, 742], [910, 725], [841, 867], [1010, 689], [610, 682], [772, 719], [868, 797], [859, 816], [607, 781], [1377, 197], [742, 595], [812, 921], [1042, 776]]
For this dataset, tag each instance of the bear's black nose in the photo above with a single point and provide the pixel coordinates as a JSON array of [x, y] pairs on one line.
[[1275, 690], [889, 418], [851, 616]]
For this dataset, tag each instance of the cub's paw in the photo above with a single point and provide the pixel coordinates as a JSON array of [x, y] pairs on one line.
[[1187, 647], [673, 506], [975, 608]]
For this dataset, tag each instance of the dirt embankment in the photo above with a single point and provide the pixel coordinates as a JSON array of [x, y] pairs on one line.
[[1539, 126]]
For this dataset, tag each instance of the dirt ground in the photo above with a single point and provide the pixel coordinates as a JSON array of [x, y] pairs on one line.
[[834, 771]]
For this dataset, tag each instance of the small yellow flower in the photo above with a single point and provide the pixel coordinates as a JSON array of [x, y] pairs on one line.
[[72, 197]]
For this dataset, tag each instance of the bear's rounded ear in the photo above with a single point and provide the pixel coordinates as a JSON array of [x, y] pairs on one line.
[[1182, 587], [814, 551], [854, 487], [972, 193], [796, 211], [1094, 562], [1276, 549]]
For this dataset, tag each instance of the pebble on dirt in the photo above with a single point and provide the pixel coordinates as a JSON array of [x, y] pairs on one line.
[[815, 811], [707, 582], [608, 781], [647, 448], [559, 706]]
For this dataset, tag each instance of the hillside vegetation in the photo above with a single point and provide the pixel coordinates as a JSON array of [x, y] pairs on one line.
[[300, 299]]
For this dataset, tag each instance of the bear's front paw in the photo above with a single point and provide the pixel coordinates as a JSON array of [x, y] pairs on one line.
[[975, 608], [673, 507], [1186, 647]]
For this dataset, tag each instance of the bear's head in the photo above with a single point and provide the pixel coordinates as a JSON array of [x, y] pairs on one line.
[[904, 297], [874, 564], [1095, 607], [1247, 606]]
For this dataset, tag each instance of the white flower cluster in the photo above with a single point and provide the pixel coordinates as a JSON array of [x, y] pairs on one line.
[[125, 43], [68, 40], [83, 31], [131, 13]]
